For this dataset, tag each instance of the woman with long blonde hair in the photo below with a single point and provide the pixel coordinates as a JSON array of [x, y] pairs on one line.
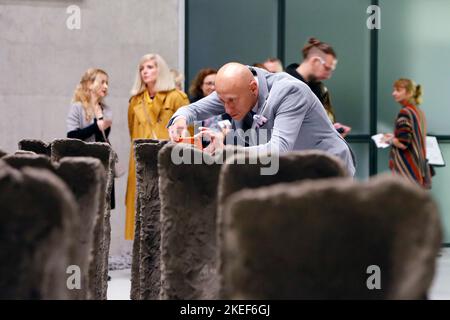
[[89, 118], [154, 99], [408, 142], [88, 114]]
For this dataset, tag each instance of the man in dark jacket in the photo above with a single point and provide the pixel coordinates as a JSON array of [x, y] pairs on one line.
[[319, 62]]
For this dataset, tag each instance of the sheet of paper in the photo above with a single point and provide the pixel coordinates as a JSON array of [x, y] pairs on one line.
[[434, 154], [377, 139]]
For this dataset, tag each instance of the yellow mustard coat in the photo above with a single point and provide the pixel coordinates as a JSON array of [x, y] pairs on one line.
[[159, 109]]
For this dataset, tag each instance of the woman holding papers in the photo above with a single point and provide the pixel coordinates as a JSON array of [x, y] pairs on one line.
[[408, 150]]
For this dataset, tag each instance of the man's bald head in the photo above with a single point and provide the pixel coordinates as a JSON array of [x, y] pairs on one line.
[[234, 73], [237, 88]]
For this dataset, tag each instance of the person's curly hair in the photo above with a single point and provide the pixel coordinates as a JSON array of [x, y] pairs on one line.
[[82, 92], [195, 90]]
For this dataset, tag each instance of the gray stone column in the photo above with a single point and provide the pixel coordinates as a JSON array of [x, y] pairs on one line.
[[102, 151], [25, 152], [188, 225], [146, 275], [36, 146], [245, 171], [189, 251], [331, 239], [85, 177], [19, 161], [38, 221]]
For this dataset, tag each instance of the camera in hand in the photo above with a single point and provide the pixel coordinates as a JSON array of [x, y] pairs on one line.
[[340, 129], [220, 124]]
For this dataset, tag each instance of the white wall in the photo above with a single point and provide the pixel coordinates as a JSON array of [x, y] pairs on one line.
[[41, 61]]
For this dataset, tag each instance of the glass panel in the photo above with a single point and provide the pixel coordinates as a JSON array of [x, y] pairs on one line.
[[440, 190], [361, 151], [342, 24], [383, 159], [233, 30], [414, 42]]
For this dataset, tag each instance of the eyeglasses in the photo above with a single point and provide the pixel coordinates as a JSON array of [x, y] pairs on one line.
[[326, 66], [209, 83]]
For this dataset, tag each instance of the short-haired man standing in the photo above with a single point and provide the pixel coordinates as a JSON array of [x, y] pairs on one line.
[[319, 62]]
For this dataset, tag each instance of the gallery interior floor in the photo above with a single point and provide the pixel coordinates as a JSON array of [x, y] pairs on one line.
[[119, 286]]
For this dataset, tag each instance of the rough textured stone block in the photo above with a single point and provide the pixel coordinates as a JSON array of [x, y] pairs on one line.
[[317, 239], [36, 146], [24, 152], [38, 221], [21, 160], [188, 226], [85, 178], [102, 151], [189, 261], [293, 166], [135, 293], [146, 275]]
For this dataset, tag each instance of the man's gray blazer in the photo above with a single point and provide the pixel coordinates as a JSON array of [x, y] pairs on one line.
[[296, 120]]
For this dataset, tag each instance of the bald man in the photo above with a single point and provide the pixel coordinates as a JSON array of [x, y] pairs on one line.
[[282, 107]]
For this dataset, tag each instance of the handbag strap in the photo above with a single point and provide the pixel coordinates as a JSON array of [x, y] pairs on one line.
[[148, 120], [107, 141], [101, 129], [104, 135]]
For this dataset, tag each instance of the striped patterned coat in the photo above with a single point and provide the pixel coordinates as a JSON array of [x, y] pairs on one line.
[[410, 130]]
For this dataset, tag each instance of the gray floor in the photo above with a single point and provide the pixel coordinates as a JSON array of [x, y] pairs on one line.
[[440, 290], [119, 286]]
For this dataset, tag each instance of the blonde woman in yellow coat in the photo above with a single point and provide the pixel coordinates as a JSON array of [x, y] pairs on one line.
[[154, 100]]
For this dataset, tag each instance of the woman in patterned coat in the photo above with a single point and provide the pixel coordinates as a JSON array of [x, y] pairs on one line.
[[408, 142]]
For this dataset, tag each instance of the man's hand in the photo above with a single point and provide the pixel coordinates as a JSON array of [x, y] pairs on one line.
[[178, 129], [215, 137]]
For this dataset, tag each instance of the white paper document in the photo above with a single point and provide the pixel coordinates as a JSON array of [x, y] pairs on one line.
[[434, 154], [378, 141]]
